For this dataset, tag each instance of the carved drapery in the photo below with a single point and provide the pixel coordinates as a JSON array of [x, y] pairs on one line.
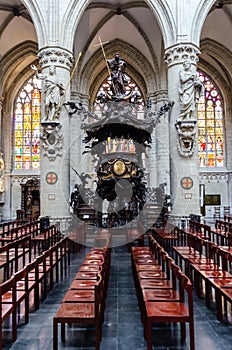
[[50, 60], [190, 88]]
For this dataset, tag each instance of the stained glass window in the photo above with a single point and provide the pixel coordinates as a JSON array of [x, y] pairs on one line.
[[210, 126], [27, 126], [132, 94]]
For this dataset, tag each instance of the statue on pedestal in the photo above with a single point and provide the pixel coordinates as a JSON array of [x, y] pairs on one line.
[[53, 91], [190, 90]]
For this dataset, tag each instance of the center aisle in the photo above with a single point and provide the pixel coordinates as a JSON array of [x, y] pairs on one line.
[[122, 328]]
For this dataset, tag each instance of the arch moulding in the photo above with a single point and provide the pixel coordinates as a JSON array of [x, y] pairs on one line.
[[140, 70]]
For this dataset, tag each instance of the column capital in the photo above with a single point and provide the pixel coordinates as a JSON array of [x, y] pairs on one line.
[[177, 54], [55, 56]]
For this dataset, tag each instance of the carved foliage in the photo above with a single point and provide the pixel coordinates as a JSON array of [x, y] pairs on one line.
[[55, 56]]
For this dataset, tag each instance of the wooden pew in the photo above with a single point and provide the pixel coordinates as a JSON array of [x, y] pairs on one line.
[[84, 302], [159, 299], [81, 312]]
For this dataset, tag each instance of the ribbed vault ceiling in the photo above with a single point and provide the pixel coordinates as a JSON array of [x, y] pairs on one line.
[[129, 22]]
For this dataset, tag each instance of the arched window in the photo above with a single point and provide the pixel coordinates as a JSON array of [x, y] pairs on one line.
[[132, 94], [210, 126], [27, 126]]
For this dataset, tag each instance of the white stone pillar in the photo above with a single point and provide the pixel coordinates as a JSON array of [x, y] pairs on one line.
[[1, 104], [55, 66], [152, 155], [184, 175], [162, 143], [78, 160], [159, 167]]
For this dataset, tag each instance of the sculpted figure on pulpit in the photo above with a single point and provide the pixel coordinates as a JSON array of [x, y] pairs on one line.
[[119, 81], [190, 90]]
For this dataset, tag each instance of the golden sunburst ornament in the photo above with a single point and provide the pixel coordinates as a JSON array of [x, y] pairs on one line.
[[119, 167]]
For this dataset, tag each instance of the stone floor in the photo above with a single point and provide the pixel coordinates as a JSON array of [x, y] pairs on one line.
[[122, 329]]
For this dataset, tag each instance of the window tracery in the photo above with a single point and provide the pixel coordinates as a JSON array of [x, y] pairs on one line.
[[133, 94], [27, 126], [210, 126]]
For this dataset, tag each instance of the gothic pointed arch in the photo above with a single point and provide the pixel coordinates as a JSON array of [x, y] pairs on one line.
[[211, 120], [161, 10], [130, 18], [12, 60], [218, 68], [26, 129], [95, 71], [222, 57], [38, 20], [199, 19]]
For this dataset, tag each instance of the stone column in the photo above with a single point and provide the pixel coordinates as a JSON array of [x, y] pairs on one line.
[[152, 155], [184, 89], [55, 66], [78, 161], [1, 104]]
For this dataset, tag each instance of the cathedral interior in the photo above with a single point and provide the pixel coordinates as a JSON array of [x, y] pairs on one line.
[[115, 174]]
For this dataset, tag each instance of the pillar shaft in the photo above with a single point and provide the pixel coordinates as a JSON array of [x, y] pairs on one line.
[[184, 176], [55, 133]]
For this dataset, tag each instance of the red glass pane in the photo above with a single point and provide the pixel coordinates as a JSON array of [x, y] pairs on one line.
[[210, 126], [27, 126]]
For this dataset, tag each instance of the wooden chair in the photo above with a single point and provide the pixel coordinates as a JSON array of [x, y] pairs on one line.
[[226, 210], [217, 212], [172, 311], [8, 306], [22, 293], [73, 312], [33, 281]]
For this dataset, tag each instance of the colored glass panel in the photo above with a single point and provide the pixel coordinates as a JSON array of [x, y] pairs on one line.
[[27, 126], [210, 126]]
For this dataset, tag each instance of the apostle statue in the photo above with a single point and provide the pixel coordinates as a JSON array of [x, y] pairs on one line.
[[53, 91], [190, 90]]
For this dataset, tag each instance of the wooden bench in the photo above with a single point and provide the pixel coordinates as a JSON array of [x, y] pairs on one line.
[[88, 312], [13, 230], [135, 236], [166, 239], [7, 306], [221, 231], [12, 253], [43, 240], [172, 311], [84, 302], [204, 261], [216, 275], [156, 287]]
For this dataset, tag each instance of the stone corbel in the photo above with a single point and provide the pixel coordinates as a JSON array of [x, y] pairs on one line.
[[51, 139], [186, 136]]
